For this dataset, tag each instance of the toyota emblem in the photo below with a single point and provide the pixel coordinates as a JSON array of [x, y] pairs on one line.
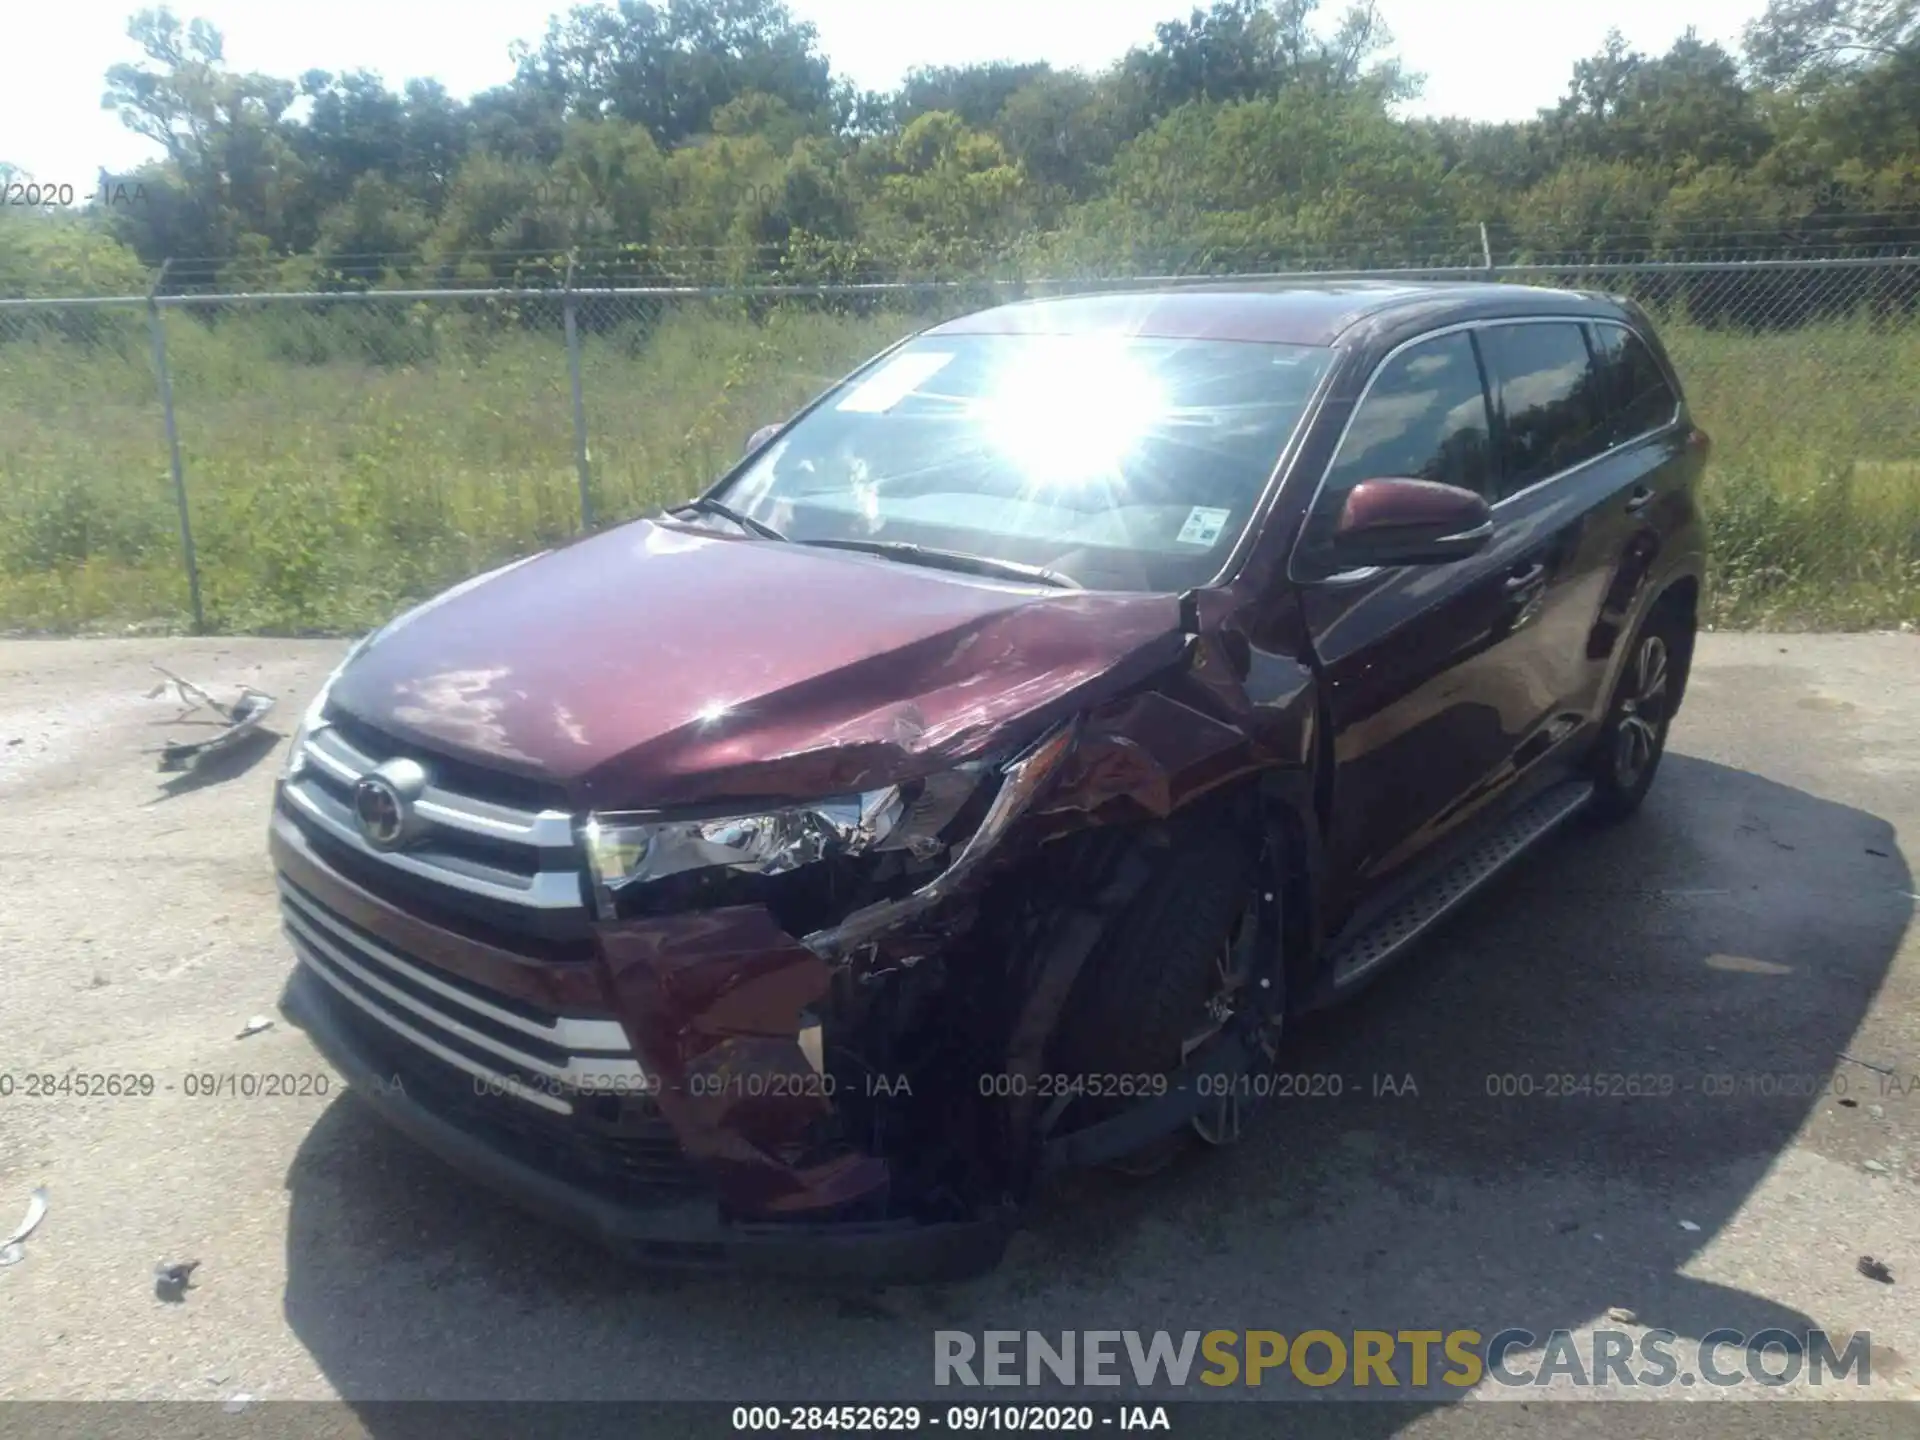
[[383, 803]]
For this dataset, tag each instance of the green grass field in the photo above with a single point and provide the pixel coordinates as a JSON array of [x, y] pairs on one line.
[[1813, 491], [342, 464]]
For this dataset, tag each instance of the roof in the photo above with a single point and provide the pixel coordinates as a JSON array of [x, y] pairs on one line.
[[1280, 312]]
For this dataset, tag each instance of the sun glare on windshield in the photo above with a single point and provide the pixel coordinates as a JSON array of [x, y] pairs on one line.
[[1070, 410]]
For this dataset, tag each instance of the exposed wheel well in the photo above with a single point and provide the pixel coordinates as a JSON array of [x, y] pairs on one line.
[[1683, 595], [1291, 851]]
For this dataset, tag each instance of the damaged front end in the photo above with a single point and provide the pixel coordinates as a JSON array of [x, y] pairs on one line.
[[855, 1009], [803, 983], [817, 1037]]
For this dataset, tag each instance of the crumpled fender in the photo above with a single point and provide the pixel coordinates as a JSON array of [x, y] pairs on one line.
[[715, 1001]]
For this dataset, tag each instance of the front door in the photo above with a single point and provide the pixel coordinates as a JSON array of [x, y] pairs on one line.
[[1429, 670]]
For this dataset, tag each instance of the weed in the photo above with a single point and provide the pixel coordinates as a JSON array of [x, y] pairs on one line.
[[343, 462]]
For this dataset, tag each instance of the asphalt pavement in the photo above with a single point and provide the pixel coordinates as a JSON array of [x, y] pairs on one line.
[[1746, 947]]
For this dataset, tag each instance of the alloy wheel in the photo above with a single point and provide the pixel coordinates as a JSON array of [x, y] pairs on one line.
[[1642, 713], [1235, 965]]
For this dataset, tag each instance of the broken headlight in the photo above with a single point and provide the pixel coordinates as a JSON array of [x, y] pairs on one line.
[[638, 848]]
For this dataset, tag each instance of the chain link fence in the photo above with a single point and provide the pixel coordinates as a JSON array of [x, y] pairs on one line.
[[305, 463]]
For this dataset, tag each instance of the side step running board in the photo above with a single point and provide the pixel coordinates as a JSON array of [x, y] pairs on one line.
[[1356, 958]]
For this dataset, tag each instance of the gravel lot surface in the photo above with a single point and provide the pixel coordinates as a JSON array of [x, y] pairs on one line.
[[1755, 922]]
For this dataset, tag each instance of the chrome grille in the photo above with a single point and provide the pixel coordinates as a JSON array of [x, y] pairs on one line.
[[521, 857], [625, 1149], [549, 1061]]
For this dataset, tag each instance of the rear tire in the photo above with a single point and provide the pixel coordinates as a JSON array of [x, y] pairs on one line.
[[1634, 736]]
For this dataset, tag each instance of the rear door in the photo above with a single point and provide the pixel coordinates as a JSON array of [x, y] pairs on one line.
[[1643, 487], [1420, 663], [1579, 410], [1552, 499]]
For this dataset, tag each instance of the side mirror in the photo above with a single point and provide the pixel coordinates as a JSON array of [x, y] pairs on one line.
[[1410, 522], [759, 438]]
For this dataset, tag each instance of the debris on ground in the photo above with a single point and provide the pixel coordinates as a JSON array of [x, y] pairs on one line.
[[1688, 1226], [1863, 1064], [173, 1278], [235, 1404], [1874, 1270], [14, 1250], [1873, 1167], [1621, 1315], [238, 720], [254, 1026]]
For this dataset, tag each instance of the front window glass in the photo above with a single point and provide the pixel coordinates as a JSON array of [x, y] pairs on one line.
[[1122, 462], [1424, 418]]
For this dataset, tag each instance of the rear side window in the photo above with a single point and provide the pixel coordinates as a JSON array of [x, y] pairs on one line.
[[1548, 390], [1424, 418], [1635, 391]]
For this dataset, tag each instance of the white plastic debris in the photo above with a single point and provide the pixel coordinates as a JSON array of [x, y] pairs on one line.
[[236, 721], [234, 1404], [1688, 1225], [254, 1026], [14, 1250]]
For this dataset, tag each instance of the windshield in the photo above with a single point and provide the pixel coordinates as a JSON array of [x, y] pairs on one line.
[[1123, 463]]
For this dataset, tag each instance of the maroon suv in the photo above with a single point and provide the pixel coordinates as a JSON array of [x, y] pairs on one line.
[[978, 777]]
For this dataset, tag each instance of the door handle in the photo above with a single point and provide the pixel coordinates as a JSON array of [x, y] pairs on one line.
[[1638, 499], [1521, 581]]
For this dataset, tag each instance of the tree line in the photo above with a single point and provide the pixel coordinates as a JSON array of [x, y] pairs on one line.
[[713, 139]]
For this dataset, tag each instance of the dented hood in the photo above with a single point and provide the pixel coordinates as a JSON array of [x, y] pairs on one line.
[[652, 665]]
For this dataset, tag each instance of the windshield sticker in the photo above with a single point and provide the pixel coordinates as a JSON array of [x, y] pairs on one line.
[[894, 381], [1203, 525]]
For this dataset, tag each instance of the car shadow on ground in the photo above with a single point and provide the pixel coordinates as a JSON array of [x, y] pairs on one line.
[[1736, 929], [218, 766]]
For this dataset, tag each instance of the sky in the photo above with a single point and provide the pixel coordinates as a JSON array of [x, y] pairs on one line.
[[1483, 59]]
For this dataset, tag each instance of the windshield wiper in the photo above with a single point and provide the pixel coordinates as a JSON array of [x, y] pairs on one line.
[[707, 505], [953, 560]]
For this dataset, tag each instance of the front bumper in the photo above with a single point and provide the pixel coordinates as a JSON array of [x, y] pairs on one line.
[[686, 1234], [692, 1179]]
